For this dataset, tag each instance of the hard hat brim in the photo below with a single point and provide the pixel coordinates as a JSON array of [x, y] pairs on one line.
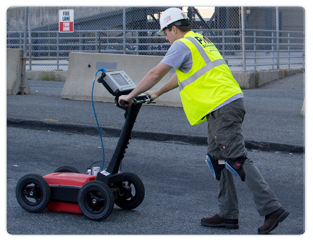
[[161, 32], [176, 23]]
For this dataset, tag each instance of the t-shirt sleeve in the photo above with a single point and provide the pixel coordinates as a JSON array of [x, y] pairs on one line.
[[177, 54]]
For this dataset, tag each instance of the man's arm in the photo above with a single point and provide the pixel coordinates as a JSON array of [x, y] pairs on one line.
[[152, 78], [170, 85]]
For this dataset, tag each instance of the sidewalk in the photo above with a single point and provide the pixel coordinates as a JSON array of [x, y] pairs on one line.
[[273, 120]]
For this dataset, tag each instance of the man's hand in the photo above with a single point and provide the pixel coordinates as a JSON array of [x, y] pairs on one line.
[[127, 100], [153, 95], [152, 77]]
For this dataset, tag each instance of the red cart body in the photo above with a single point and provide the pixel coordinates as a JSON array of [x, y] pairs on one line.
[[64, 190]]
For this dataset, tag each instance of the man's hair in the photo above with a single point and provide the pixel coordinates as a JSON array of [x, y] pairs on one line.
[[182, 25]]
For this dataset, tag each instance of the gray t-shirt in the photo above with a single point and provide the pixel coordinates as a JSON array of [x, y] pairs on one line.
[[179, 57]]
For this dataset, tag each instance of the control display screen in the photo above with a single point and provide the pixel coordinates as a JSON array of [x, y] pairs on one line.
[[119, 79]]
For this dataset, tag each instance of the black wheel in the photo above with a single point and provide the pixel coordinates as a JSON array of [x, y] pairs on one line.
[[95, 200], [134, 192], [67, 169], [33, 193]]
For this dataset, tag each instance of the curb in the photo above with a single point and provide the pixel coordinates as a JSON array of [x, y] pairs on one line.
[[161, 137]]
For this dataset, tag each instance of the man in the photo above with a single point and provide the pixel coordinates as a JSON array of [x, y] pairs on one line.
[[209, 92]]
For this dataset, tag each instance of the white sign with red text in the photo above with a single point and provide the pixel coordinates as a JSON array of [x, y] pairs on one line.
[[66, 21]]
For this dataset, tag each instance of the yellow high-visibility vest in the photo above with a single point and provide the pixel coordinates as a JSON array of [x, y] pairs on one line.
[[209, 82]]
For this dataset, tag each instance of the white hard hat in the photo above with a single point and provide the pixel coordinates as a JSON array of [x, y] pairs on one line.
[[170, 16]]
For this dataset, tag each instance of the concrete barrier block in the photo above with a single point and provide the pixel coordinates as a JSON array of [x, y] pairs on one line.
[[14, 72], [303, 109], [290, 72], [253, 79], [269, 76], [46, 75], [240, 77], [246, 79], [83, 66]]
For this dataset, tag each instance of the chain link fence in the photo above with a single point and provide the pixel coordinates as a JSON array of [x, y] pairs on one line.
[[249, 38]]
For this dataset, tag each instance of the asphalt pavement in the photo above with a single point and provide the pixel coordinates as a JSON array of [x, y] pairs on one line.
[[45, 131], [179, 187], [273, 120]]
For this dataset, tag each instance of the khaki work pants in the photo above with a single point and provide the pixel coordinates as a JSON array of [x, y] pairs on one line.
[[226, 141]]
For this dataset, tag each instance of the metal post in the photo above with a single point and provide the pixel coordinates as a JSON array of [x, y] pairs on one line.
[[49, 40], [223, 42], [25, 32], [58, 51], [29, 44], [273, 50], [277, 35], [303, 51], [243, 39], [124, 30], [23, 81], [254, 42], [137, 39], [96, 41], [81, 36], [20, 40], [289, 51]]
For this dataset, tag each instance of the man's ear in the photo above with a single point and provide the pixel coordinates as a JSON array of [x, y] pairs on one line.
[[174, 28]]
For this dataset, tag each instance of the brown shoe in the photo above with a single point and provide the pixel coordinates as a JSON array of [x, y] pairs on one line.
[[217, 221], [271, 220]]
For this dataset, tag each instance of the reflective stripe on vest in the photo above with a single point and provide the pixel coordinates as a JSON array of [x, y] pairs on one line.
[[209, 65]]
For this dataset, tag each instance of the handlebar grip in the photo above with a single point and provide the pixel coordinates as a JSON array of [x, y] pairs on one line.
[[122, 102]]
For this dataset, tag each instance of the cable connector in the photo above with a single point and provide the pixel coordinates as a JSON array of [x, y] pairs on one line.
[[100, 79], [102, 69]]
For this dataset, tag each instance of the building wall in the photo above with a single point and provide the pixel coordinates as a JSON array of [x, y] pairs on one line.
[[43, 16], [291, 18]]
